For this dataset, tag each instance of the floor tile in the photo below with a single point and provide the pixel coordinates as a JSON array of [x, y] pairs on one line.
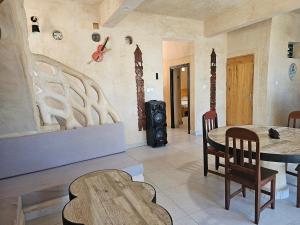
[[184, 221], [176, 172]]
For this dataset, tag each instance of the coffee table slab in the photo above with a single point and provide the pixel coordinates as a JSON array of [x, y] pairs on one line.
[[110, 197]]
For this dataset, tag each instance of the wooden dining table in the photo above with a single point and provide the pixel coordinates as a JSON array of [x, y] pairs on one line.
[[274, 153]]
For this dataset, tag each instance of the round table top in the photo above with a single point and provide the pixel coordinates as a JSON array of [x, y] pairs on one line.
[[111, 197], [285, 149]]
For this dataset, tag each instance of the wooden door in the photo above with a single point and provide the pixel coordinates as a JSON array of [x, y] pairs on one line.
[[239, 105]]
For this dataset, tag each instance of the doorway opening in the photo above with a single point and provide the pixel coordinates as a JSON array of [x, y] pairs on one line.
[[178, 75], [180, 96]]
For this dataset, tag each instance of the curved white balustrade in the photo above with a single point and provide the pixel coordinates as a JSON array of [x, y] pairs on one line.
[[67, 96]]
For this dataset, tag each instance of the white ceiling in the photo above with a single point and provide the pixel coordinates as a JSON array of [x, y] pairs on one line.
[[297, 11], [88, 1], [193, 9]]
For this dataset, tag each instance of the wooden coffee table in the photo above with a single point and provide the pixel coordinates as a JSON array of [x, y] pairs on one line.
[[110, 197]]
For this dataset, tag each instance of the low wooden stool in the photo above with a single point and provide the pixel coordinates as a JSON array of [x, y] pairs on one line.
[[111, 197]]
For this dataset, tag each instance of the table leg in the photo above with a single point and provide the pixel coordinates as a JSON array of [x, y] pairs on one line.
[[282, 189]]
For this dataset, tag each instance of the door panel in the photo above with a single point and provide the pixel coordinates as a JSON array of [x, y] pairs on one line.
[[239, 105]]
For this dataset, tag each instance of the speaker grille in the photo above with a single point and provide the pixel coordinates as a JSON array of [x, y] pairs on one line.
[[156, 123]]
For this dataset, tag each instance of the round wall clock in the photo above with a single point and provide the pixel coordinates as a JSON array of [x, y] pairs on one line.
[[57, 35], [292, 71]]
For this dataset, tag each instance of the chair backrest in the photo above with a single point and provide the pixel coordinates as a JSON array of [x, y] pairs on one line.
[[293, 117], [209, 122], [240, 143]]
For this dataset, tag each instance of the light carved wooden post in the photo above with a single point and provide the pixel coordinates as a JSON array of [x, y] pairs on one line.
[[213, 81], [140, 88]]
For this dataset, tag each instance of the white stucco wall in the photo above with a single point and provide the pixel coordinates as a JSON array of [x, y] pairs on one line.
[[283, 94], [274, 94], [17, 113], [116, 73], [254, 40], [202, 78]]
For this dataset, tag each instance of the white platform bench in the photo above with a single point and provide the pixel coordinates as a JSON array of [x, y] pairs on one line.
[[32, 153], [45, 201]]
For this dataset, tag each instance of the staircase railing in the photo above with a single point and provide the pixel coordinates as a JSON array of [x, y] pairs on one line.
[[67, 97]]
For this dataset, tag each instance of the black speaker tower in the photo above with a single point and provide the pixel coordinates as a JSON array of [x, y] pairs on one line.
[[156, 123]]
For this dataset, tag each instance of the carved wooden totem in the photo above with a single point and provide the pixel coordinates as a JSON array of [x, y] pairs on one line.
[[140, 88], [213, 81]]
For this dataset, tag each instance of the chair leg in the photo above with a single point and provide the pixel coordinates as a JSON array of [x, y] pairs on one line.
[[217, 162], [257, 205], [273, 189], [243, 191], [227, 193], [298, 190], [205, 162]]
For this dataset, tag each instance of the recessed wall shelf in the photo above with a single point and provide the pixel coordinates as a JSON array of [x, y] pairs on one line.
[[293, 50]]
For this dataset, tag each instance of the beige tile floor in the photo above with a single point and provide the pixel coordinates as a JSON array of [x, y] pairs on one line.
[[176, 171]]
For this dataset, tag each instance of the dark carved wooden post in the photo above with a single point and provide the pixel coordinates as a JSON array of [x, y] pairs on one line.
[[140, 88], [213, 81]]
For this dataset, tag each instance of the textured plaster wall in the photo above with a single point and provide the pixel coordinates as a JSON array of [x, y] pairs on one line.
[[202, 78], [16, 112], [254, 40], [198, 55], [116, 73], [283, 94]]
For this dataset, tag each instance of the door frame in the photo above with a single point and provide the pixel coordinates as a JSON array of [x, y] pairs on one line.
[[187, 65]]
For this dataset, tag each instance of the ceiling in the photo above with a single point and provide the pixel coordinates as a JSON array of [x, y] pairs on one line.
[[88, 1], [193, 9], [297, 11]]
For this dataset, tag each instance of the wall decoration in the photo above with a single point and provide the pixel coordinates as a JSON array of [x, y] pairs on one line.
[[292, 71], [213, 77], [35, 24], [128, 40], [57, 35], [96, 37], [140, 92], [97, 56], [74, 97], [95, 26], [290, 53]]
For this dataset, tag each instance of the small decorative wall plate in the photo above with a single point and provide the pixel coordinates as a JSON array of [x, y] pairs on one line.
[[57, 35], [96, 37], [128, 40], [292, 71]]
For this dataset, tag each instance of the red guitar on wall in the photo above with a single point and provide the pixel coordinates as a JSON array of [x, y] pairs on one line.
[[97, 56]]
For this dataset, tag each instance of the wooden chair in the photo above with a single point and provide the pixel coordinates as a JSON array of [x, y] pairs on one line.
[[292, 122], [247, 174], [209, 122], [293, 117]]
